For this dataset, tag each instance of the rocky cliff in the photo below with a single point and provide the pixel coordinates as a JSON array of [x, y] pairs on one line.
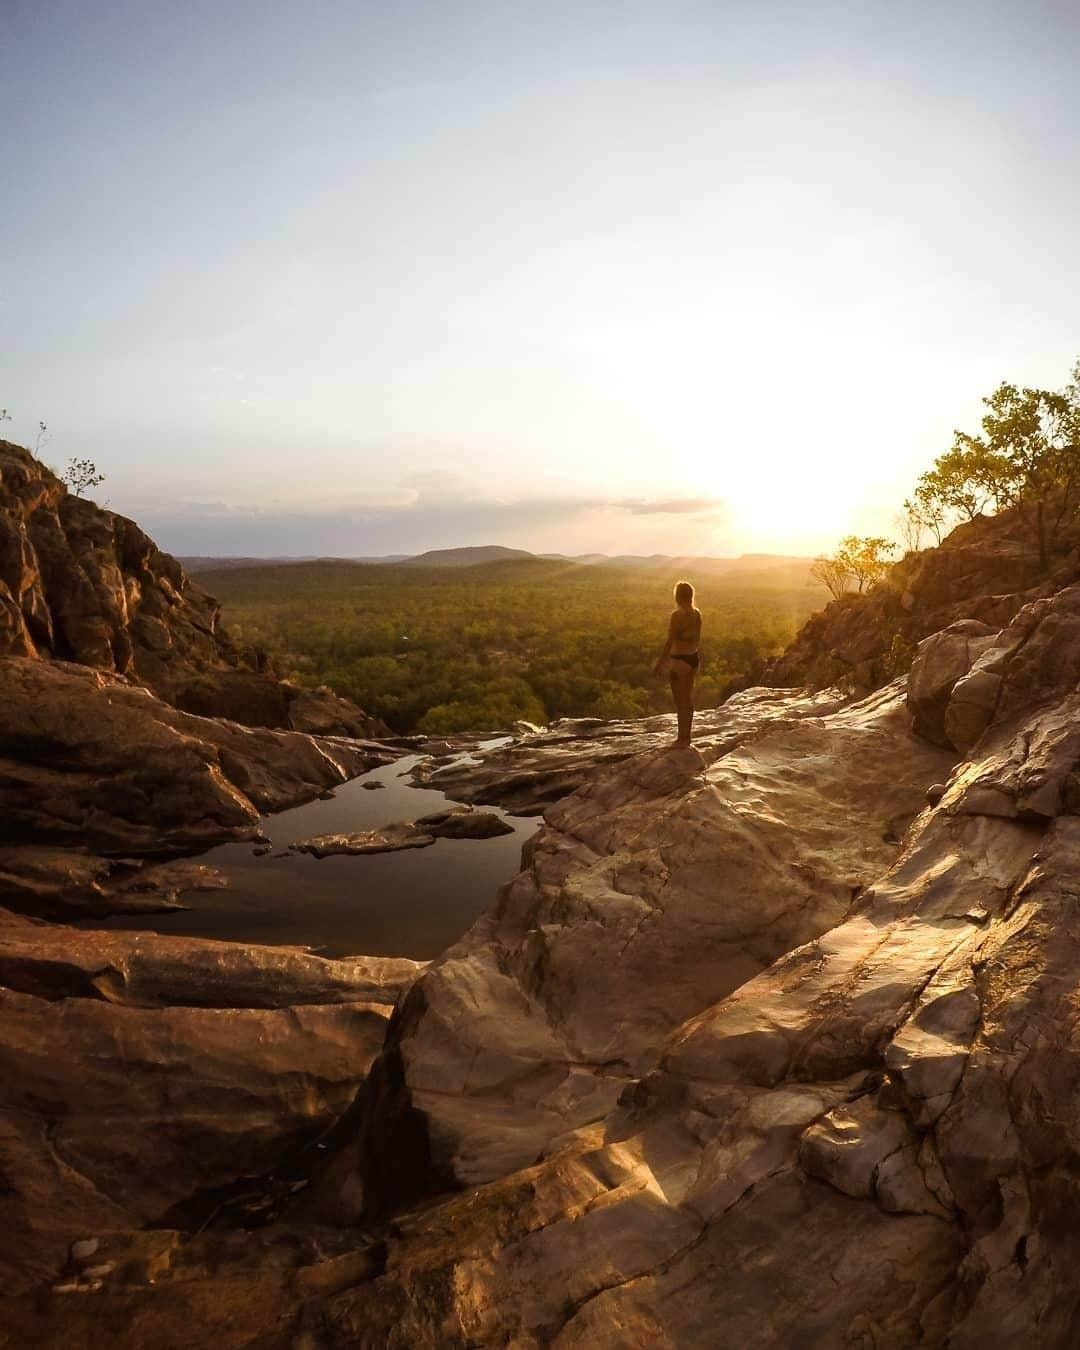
[[985, 570], [771, 1043], [82, 584], [116, 674]]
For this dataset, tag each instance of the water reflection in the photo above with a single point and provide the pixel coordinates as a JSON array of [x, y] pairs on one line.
[[413, 903]]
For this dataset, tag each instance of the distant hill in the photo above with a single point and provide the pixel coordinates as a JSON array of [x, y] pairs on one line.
[[467, 557], [484, 554], [202, 563]]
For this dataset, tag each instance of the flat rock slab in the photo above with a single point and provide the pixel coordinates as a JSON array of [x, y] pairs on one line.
[[390, 839], [462, 822], [459, 822]]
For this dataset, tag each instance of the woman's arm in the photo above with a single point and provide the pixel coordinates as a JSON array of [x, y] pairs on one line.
[[667, 647]]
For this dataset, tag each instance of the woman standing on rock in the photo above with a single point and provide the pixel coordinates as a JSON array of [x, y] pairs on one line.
[[681, 651]]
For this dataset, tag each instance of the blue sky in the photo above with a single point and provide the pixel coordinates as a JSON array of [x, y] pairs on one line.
[[361, 278]]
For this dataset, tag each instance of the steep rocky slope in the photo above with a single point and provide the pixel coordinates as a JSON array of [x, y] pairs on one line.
[[83, 584], [106, 652], [986, 570]]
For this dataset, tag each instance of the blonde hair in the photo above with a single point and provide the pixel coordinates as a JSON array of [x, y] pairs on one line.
[[684, 593]]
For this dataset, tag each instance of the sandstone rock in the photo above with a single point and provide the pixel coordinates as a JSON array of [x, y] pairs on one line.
[[525, 777], [463, 822], [941, 660], [388, 839], [82, 584], [985, 571], [651, 893], [91, 763], [320, 712], [136, 1070], [458, 822], [149, 970]]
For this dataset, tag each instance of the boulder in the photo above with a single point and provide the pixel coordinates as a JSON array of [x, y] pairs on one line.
[[457, 822], [95, 770], [940, 661], [138, 1071]]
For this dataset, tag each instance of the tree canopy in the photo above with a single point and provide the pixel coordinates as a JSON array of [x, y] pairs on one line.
[[1027, 456]]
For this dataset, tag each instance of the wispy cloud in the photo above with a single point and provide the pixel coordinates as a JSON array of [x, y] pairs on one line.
[[414, 519], [674, 506]]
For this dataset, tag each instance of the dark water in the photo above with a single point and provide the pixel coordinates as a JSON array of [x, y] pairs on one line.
[[413, 903]]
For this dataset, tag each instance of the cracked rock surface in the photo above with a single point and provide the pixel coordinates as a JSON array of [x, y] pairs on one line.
[[137, 1070]]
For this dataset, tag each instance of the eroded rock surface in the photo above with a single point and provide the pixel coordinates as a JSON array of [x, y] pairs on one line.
[[870, 1142], [94, 770], [760, 1049], [538, 767], [138, 1070], [652, 892], [985, 571]]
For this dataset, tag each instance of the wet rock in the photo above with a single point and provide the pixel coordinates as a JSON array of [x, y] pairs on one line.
[[388, 839], [526, 729], [458, 822], [463, 822]]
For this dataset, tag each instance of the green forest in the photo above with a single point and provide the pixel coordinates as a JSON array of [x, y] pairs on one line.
[[445, 649]]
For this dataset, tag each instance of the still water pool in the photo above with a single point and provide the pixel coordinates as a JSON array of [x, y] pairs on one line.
[[412, 903]]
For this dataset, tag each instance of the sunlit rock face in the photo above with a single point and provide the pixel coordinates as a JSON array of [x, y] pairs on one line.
[[85, 585], [651, 893], [984, 572], [871, 1141]]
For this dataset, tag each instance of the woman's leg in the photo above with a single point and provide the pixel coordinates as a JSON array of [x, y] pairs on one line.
[[682, 692]]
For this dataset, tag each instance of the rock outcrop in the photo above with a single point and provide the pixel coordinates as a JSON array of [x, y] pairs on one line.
[[138, 1071], [985, 571], [84, 584], [652, 892], [96, 771], [871, 1141], [458, 822]]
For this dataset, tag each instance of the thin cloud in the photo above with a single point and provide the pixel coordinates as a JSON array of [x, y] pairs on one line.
[[674, 506]]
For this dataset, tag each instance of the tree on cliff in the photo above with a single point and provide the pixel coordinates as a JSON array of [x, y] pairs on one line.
[[80, 475], [859, 561], [1027, 456]]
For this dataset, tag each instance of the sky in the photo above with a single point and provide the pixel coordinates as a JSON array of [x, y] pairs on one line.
[[350, 278]]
